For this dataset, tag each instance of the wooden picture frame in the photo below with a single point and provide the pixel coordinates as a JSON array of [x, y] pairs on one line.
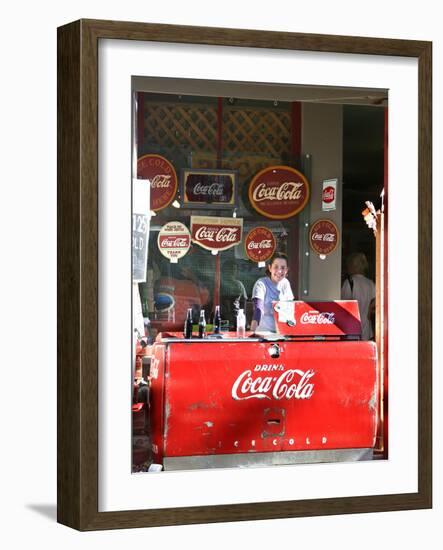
[[78, 464]]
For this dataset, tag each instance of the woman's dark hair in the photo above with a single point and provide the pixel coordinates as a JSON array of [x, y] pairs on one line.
[[275, 256]]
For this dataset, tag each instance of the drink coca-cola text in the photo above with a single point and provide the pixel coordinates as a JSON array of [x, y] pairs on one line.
[[291, 384]]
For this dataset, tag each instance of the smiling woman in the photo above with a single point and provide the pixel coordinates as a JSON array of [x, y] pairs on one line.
[[273, 288]]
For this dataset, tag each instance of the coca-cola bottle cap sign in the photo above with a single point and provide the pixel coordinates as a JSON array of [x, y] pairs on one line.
[[323, 237], [329, 195], [174, 241], [260, 244], [160, 172], [279, 192], [216, 234]]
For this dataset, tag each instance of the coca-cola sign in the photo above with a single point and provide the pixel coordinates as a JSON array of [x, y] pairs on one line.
[[174, 241], [336, 318], [279, 192], [160, 172], [260, 244], [323, 237], [287, 384], [216, 233], [329, 195], [209, 188]]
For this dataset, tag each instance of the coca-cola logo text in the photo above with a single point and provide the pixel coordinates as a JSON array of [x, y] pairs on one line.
[[160, 181], [175, 242], [290, 384], [317, 318], [213, 189], [325, 237], [265, 244], [218, 234], [290, 191]]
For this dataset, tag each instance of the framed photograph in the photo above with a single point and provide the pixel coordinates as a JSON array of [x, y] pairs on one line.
[[311, 402]]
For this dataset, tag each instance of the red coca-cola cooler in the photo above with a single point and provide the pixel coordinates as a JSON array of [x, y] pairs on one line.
[[308, 393]]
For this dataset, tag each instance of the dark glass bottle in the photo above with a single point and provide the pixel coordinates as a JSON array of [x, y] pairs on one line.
[[217, 320], [188, 324], [202, 325]]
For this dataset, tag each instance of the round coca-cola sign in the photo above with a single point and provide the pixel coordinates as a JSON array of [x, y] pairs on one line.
[[279, 192], [174, 241], [259, 244], [160, 172], [323, 237]]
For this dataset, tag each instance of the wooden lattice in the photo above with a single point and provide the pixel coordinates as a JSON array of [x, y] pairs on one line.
[[251, 131], [257, 131], [177, 126]]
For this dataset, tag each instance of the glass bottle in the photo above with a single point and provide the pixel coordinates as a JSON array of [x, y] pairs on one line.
[[241, 324], [202, 325], [217, 320], [188, 324]]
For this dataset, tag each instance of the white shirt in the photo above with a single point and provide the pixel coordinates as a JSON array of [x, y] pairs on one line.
[[363, 291], [265, 289]]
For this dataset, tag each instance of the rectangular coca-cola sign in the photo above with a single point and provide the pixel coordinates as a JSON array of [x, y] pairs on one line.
[[216, 233], [310, 319], [201, 188]]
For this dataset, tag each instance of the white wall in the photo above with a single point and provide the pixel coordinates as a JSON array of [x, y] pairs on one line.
[[28, 229]]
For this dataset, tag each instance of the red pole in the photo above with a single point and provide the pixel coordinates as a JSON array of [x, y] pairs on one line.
[[385, 286], [219, 131], [217, 270], [140, 120]]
